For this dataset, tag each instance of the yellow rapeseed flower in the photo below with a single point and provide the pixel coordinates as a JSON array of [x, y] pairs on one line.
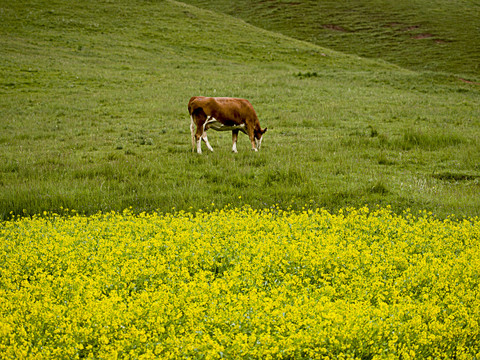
[[240, 283]]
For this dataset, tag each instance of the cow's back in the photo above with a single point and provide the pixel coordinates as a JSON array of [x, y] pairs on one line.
[[233, 111]]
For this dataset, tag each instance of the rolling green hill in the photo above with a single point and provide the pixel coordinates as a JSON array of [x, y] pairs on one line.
[[436, 35], [93, 103]]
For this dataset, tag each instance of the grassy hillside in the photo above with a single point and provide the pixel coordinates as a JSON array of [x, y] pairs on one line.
[[436, 35], [93, 103]]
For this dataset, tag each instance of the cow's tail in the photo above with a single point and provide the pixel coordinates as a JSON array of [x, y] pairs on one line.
[[192, 132]]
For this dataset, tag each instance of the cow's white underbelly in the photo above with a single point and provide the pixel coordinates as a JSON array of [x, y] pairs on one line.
[[212, 123]]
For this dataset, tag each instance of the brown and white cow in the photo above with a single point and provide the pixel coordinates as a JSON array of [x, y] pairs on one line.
[[223, 114]]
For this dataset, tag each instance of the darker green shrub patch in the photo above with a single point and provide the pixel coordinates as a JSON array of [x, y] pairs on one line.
[[455, 176]]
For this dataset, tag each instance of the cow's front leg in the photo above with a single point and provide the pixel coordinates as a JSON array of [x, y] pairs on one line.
[[234, 140], [204, 137], [252, 139]]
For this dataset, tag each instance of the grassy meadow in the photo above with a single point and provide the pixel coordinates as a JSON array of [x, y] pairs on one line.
[[93, 103]]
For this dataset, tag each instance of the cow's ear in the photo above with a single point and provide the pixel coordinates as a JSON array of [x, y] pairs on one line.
[[264, 131]]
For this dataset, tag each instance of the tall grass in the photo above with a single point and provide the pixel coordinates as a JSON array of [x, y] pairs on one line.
[[429, 140]]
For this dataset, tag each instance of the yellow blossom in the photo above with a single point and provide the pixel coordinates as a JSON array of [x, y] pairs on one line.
[[240, 283]]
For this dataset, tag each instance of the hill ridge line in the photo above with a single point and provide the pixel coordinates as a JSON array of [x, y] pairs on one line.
[[327, 51]]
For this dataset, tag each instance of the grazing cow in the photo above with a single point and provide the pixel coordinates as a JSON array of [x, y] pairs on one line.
[[223, 114]]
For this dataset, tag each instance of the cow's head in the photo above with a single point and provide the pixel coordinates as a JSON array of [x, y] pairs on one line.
[[258, 137]]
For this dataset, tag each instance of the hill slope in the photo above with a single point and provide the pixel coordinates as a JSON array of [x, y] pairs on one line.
[[93, 99], [436, 35]]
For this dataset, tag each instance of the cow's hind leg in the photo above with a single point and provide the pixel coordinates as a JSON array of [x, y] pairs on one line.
[[204, 137], [198, 138], [234, 140], [198, 119]]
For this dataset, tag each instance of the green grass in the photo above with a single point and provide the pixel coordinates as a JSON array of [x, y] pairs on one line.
[[435, 35], [93, 103]]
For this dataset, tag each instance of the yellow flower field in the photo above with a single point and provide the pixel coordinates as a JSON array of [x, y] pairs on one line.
[[240, 283]]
